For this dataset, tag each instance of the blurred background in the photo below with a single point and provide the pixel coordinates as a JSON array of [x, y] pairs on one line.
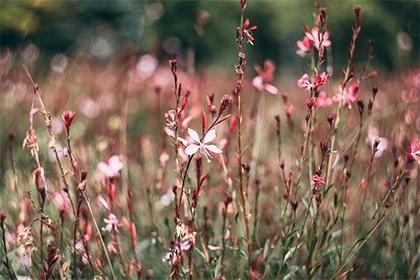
[[202, 32]]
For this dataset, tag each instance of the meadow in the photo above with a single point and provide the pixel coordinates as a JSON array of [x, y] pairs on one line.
[[146, 168]]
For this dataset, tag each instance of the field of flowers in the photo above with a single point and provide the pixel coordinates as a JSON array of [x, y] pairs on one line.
[[146, 169]]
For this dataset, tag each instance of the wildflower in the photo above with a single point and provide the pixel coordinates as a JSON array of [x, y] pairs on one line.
[[319, 40], [67, 117], [111, 223], [247, 31], [111, 247], [171, 118], [347, 95], [112, 168], [318, 180], [414, 150], [60, 200], [304, 46], [378, 143], [323, 100], [265, 76], [203, 146], [319, 80]]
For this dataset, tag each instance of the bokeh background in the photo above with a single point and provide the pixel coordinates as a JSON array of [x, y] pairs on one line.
[[202, 30]]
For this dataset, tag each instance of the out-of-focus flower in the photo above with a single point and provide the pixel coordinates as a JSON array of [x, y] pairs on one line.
[[262, 82], [247, 30], [319, 80], [171, 118], [111, 223], [304, 46], [167, 198], [112, 168], [348, 94], [102, 202], [67, 117], [111, 247], [318, 180], [203, 147], [319, 39], [414, 150], [323, 100], [380, 142], [61, 200]]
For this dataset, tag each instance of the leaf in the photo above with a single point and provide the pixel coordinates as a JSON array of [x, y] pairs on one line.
[[292, 251], [266, 250]]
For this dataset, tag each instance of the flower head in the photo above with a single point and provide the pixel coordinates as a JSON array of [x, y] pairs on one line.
[[319, 80], [111, 223], [262, 82], [347, 94], [378, 143], [171, 118], [319, 39], [112, 168], [202, 145], [247, 31], [304, 46], [318, 180], [414, 150], [67, 117]]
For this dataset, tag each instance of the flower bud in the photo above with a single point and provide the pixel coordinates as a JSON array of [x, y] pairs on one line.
[[68, 117]]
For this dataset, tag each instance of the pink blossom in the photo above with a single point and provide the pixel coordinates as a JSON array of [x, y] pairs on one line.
[[318, 180], [414, 150], [112, 168], [319, 80], [102, 202], [111, 223], [323, 100], [247, 31], [304, 46], [171, 118], [348, 94], [319, 39], [264, 78], [111, 247], [203, 146]]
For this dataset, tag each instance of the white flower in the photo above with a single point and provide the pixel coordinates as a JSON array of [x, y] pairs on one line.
[[203, 147], [374, 137], [112, 168]]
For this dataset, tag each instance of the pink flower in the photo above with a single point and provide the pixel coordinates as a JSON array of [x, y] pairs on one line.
[[304, 46], [171, 118], [319, 80], [373, 138], [203, 147], [323, 100], [68, 117], [347, 95], [319, 40], [414, 150], [111, 247], [247, 31], [102, 202], [112, 168], [318, 180], [111, 223], [265, 76]]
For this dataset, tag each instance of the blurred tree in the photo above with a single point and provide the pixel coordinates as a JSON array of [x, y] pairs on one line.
[[169, 28]]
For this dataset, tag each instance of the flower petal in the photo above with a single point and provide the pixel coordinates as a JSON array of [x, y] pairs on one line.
[[194, 135], [271, 89], [213, 149], [191, 149], [210, 136]]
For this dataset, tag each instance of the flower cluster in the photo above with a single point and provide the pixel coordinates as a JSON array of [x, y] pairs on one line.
[[319, 80]]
